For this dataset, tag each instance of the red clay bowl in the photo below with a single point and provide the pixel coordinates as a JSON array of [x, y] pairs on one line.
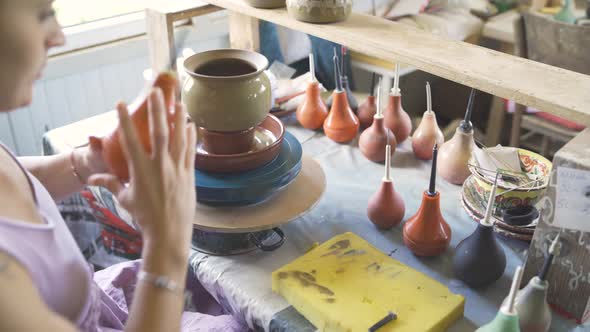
[[268, 137], [226, 143]]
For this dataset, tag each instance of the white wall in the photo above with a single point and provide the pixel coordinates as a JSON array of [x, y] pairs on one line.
[[90, 82]]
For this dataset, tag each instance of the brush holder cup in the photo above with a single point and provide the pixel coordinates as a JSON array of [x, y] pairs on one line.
[[226, 90]]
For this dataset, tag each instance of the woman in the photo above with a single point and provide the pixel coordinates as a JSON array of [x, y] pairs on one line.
[[45, 284]]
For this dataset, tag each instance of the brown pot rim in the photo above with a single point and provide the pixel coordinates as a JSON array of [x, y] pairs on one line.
[[261, 63]]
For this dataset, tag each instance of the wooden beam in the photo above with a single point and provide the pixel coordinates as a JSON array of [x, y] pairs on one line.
[[160, 29], [547, 88], [243, 32], [160, 34]]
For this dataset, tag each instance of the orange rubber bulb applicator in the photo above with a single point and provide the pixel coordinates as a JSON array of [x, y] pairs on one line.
[[427, 233]]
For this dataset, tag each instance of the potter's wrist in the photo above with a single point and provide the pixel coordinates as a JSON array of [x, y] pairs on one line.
[[165, 257], [80, 163]]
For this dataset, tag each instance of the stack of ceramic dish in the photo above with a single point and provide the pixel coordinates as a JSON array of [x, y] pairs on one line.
[[477, 187], [244, 155]]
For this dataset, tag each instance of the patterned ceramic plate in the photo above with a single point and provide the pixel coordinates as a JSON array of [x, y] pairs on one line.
[[476, 210]]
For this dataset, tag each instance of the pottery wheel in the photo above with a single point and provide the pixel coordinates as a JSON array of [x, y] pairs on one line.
[[299, 197]]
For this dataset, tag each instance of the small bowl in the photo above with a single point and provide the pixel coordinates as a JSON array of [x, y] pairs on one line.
[[226, 143], [508, 197], [268, 137]]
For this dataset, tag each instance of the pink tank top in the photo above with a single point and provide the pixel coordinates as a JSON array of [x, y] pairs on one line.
[[65, 281], [51, 256]]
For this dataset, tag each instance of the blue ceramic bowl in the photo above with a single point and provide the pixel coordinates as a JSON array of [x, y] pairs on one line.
[[255, 186]]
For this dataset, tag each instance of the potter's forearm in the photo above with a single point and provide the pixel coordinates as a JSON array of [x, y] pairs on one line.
[[56, 174]]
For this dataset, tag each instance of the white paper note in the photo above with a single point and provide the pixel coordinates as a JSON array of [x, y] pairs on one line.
[[572, 200]]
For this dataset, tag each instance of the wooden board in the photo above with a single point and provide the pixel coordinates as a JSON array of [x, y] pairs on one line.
[[544, 87], [346, 284], [292, 202]]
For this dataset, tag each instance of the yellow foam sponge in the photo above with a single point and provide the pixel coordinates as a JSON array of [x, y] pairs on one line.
[[345, 284]]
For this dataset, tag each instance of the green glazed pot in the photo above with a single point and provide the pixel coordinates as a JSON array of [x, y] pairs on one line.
[[232, 94], [319, 11]]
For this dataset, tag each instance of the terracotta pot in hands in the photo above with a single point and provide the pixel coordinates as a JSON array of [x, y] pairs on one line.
[[111, 145]]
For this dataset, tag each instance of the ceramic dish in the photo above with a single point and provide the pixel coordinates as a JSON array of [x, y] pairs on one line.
[[254, 186], [532, 163], [477, 205], [268, 138], [497, 229], [476, 210]]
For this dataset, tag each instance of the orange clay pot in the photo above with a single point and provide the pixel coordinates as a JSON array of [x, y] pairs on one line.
[[111, 146], [341, 125], [312, 112], [427, 233], [396, 119], [366, 111], [374, 139]]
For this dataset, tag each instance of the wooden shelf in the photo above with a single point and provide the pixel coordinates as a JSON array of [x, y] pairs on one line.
[[551, 89]]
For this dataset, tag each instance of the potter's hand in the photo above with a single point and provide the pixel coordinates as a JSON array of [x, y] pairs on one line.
[[161, 192]]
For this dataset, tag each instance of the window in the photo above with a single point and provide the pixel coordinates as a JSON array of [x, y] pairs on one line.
[[88, 23], [74, 12]]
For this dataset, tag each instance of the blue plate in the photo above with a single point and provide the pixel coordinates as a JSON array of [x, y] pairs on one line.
[[255, 186]]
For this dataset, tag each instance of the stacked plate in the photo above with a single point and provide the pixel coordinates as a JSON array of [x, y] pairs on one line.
[[475, 205], [250, 177]]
